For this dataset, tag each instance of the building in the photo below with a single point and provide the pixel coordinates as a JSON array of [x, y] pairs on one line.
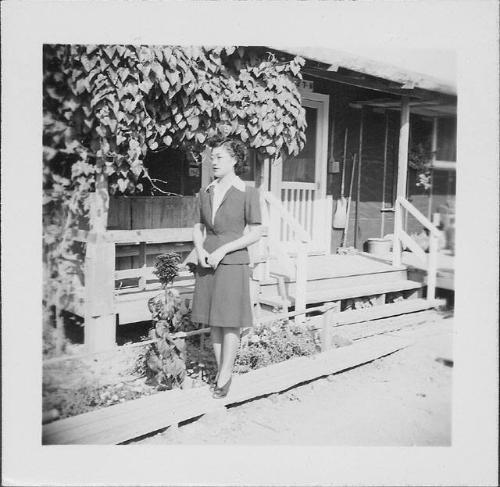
[[366, 120]]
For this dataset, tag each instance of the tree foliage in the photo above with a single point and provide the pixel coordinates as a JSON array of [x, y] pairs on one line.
[[420, 160], [106, 106]]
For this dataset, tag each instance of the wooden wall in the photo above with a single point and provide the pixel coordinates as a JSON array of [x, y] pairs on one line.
[[139, 212], [371, 222]]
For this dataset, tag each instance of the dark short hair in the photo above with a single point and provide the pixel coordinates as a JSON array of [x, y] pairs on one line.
[[236, 149]]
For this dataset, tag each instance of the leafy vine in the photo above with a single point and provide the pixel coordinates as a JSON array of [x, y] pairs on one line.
[[105, 106], [420, 159]]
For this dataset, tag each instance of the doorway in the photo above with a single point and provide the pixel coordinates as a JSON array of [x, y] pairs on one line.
[[300, 181]]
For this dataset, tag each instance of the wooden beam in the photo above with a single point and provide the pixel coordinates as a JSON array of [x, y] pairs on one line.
[[126, 421], [100, 318], [383, 311], [155, 235], [358, 190], [262, 173], [384, 173], [99, 203], [404, 136], [433, 162], [359, 82], [275, 189], [326, 336], [301, 282], [445, 165], [206, 168], [432, 269], [413, 246], [396, 103], [418, 215]]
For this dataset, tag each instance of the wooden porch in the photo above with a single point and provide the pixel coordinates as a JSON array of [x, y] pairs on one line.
[[286, 277], [330, 278], [445, 278], [294, 265]]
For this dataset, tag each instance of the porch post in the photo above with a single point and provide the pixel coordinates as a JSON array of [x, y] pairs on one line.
[[404, 134], [261, 269], [206, 168], [274, 189], [100, 318], [433, 149], [262, 173]]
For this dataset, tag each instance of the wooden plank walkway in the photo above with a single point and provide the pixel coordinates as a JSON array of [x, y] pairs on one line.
[[369, 315], [119, 423]]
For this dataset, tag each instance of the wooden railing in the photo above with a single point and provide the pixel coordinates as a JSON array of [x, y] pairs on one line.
[[402, 240], [270, 247], [101, 274], [300, 204], [99, 308], [141, 238]]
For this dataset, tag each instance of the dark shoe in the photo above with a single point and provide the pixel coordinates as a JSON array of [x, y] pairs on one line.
[[213, 383], [220, 392]]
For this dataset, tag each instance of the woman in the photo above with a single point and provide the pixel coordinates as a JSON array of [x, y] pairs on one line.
[[222, 288]]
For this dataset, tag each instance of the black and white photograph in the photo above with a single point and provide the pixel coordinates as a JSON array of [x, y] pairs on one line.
[[250, 243]]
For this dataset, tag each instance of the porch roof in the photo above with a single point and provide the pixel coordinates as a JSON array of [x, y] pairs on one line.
[[427, 108], [367, 73]]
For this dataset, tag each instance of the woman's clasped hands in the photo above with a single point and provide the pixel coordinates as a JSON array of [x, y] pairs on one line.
[[210, 260]]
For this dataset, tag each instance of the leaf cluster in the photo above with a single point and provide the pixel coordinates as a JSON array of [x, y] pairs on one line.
[[105, 106], [419, 159], [167, 267], [164, 361], [266, 345]]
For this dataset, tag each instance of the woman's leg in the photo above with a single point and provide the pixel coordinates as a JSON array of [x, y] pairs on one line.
[[230, 344], [216, 338]]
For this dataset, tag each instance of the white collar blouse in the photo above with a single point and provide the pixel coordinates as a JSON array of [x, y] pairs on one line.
[[219, 191]]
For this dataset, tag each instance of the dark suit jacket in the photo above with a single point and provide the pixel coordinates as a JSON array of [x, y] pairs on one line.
[[237, 209]]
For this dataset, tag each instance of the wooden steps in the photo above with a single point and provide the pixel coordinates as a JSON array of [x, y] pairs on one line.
[[121, 422], [322, 296], [377, 312], [336, 266], [332, 274], [445, 278]]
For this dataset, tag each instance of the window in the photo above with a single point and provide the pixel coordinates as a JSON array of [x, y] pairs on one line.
[[249, 175], [173, 171]]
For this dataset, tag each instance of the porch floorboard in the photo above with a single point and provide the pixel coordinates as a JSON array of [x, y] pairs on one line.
[[334, 265]]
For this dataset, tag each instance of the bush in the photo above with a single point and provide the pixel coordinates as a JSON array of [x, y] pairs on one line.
[[50, 335], [266, 345], [164, 360]]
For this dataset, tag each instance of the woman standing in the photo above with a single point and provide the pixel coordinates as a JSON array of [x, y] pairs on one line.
[[222, 287]]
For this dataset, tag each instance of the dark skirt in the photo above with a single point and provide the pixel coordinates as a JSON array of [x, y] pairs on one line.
[[222, 296]]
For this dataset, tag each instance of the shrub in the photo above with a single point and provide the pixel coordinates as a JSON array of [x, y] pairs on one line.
[[265, 345], [164, 362]]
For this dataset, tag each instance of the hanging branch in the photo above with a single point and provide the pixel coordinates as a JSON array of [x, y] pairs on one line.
[[150, 179]]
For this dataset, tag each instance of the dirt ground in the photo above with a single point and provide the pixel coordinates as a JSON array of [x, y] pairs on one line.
[[403, 399]]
